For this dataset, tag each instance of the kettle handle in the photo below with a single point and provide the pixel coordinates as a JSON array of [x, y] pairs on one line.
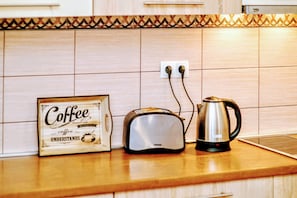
[[233, 105]]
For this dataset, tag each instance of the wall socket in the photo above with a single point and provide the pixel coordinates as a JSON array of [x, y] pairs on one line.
[[175, 65]]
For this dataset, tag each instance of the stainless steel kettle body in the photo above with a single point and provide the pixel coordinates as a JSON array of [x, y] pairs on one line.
[[213, 124]]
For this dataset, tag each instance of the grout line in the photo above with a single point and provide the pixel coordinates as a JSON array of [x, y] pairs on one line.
[[140, 67], [2, 105], [201, 72], [3, 53], [74, 62], [20, 121], [93, 7], [69, 74], [259, 57]]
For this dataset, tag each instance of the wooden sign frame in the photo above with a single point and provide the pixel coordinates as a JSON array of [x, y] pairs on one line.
[[79, 124]]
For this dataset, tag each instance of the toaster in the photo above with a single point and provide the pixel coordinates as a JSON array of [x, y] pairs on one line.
[[153, 130]]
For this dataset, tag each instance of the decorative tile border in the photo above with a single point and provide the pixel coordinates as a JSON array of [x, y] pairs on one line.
[[156, 21]]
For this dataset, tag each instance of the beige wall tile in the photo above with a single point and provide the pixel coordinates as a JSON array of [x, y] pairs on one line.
[[39, 52], [20, 138], [275, 120], [1, 52], [278, 47], [230, 47], [99, 51], [1, 99], [191, 133], [156, 92], [278, 86], [117, 132], [241, 85], [123, 88], [170, 45], [21, 93], [249, 122], [1, 139]]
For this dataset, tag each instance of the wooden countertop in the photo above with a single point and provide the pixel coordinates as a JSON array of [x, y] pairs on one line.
[[94, 173]]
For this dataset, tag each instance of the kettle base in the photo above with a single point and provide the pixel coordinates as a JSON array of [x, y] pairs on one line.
[[212, 146]]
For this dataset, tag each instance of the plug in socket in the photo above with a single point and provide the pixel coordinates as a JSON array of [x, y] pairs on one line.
[[175, 65]]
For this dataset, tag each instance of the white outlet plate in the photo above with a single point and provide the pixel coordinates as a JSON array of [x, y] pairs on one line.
[[175, 65]]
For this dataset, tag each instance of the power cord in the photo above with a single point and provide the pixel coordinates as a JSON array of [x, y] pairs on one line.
[[168, 70], [182, 70]]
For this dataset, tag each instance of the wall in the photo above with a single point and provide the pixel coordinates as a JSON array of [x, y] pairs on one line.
[[257, 67]]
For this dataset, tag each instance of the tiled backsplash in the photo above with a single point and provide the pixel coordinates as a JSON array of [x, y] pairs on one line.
[[257, 67]]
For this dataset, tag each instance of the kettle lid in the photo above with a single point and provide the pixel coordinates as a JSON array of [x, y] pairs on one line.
[[212, 99]]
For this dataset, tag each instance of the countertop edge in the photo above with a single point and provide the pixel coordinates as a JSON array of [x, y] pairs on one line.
[[162, 183], [196, 180]]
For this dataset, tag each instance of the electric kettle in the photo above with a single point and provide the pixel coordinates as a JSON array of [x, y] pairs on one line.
[[213, 124]]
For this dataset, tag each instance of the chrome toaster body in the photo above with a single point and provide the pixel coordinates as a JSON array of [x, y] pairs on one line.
[[153, 130]]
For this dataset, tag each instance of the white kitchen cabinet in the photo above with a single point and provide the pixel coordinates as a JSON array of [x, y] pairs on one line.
[[44, 8], [260, 187], [285, 186], [164, 7]]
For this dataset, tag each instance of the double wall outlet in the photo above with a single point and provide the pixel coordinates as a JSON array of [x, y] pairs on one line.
[[175, 66]]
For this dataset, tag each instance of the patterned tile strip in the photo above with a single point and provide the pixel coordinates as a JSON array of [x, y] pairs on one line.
[[156, 21]]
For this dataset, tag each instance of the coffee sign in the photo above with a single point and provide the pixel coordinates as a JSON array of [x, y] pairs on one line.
[[74, 125]]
